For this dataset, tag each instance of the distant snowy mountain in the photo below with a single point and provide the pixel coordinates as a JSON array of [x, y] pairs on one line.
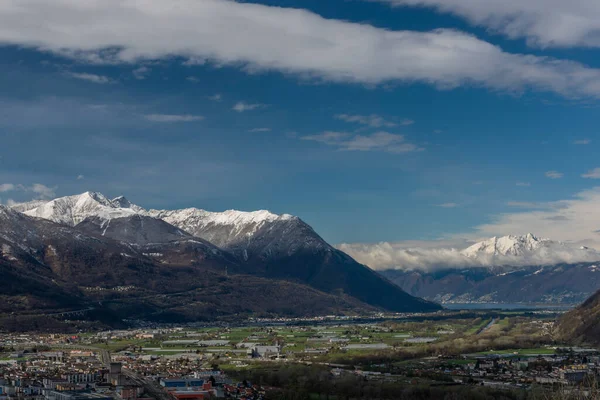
[[527, 250], [508, 246]]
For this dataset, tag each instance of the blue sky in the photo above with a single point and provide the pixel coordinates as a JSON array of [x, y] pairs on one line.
[[371, 122]]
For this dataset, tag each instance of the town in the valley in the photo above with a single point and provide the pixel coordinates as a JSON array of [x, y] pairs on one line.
[[498, 351]]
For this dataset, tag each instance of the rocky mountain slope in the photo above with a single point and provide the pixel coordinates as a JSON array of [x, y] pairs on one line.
[[582, 325], [259, 244], [50, 268]]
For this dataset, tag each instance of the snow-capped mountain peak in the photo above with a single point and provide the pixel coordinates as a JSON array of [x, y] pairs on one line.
[[508, 246], [71, 210]]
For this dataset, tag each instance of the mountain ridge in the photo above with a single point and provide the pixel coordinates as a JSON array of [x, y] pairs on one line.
[[266, 245]]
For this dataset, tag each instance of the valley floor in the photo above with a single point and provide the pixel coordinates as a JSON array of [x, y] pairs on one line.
[[511, 353]]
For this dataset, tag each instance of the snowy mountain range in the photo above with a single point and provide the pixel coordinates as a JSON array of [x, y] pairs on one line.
[[509, 269], [278, 248], [527, 250]]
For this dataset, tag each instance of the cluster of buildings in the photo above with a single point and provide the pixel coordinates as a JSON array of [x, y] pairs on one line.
[[30, 372], [568, 368]]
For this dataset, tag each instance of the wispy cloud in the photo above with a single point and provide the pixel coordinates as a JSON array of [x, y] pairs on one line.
[[529, 204], [554, 174], [260, 130], [193, 79], [100, 79], [303, 43], [141, 73], [447, 205], [243, 106], [6, 187], [173, 118], [373, 120], [218, 97], [592, 174], [582, 141], [80, 177], [40, 191], [544, 23], [380, 141], [447, 254], [523, 184]]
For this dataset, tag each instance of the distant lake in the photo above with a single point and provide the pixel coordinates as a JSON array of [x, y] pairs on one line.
[[507, 306]]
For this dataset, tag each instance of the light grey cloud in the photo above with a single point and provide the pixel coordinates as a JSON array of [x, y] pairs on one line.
[[543, 23], [554, 174], [447, 205], [141, 73], [40, 191], [80, 177], [582, 141], [243, 106], [437, 255], [523, 184], [570, 220], [299, 42], [6, 187], [528, 204], [216, 97], [260, 130], [592, 174], [373, 120], [379, 141], [100, 79], [173, 118]]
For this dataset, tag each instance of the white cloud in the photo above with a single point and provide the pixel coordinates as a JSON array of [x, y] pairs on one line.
[[6, 187], [373, 120], [193, 79], [436, 255], [592, 174], [447, 205], [582, 141], [379, 141], [100, 79], [527, 204], [543, 23], [554, 174], [300, 42], [80, 177], [173, 118], [141, 72], [574, 221], [523, 184], [216, 97], [260, 130], [41, 191], [243, 106]]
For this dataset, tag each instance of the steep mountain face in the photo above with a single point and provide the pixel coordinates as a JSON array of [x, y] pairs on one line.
[[582, 325], [161, 241], [136, 229], [285, 247], [257, 243]]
